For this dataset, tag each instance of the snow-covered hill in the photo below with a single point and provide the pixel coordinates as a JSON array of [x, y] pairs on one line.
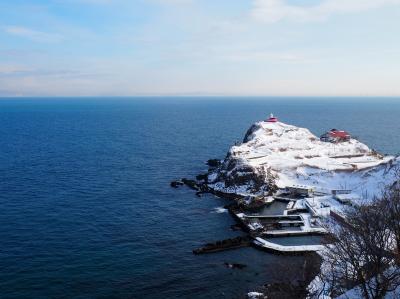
[[296, 156]]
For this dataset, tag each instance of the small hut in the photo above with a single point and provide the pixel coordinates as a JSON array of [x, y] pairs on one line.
[[335, 136]]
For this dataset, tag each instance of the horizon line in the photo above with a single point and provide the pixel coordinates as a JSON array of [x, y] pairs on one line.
[[192, 96]]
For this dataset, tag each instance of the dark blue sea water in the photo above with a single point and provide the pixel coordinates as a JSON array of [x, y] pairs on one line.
[[86, 210]]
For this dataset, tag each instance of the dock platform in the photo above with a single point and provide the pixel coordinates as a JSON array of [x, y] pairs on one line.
[[283, 249], [295, 233]]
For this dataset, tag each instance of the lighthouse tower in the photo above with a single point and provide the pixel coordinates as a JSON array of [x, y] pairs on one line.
[[272, 119]]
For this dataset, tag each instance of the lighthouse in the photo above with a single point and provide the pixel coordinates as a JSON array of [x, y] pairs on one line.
[[272, 119]]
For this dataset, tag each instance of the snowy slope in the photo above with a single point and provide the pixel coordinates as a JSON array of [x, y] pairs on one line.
[[296, 156]]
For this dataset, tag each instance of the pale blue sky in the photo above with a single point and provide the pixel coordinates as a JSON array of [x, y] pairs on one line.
[[199, 47]]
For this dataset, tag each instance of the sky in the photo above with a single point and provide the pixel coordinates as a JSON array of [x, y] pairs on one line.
[[200, 47]]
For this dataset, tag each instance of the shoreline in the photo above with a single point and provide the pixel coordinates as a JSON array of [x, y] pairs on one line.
[[233, 209], [284, 182]]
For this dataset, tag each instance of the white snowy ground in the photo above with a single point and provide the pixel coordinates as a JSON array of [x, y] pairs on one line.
[[298, 157], [355, 293]]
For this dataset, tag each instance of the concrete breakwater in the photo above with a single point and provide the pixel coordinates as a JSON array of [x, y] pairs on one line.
[[257, 225], [232, 243]]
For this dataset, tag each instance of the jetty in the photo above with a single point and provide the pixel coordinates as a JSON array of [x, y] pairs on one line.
[[284, 249], [295, 233], [233, 243], [273, 217]]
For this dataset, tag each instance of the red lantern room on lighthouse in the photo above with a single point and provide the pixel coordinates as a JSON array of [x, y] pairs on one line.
[[272, 119]]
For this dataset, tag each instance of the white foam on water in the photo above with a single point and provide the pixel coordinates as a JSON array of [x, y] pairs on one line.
[[219, 210]]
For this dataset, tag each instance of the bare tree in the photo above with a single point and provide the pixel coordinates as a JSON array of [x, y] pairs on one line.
[[361, 252], [391, 205]]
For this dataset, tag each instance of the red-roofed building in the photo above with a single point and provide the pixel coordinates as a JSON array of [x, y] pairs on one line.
[[335, 136]]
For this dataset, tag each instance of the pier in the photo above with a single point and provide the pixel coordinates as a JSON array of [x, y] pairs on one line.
[[273, 217], [295, 233], [283, 249]]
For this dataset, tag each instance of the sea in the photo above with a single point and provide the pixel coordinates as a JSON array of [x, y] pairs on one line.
[[86, 209]]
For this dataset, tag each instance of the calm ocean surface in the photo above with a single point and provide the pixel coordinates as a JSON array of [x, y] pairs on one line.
[[86, 210]]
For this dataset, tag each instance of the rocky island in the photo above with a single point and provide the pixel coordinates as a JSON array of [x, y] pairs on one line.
[[288, 156], [285, 182]]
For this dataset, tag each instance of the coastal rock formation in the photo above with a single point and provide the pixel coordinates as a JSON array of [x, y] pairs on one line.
[[278, 155]]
